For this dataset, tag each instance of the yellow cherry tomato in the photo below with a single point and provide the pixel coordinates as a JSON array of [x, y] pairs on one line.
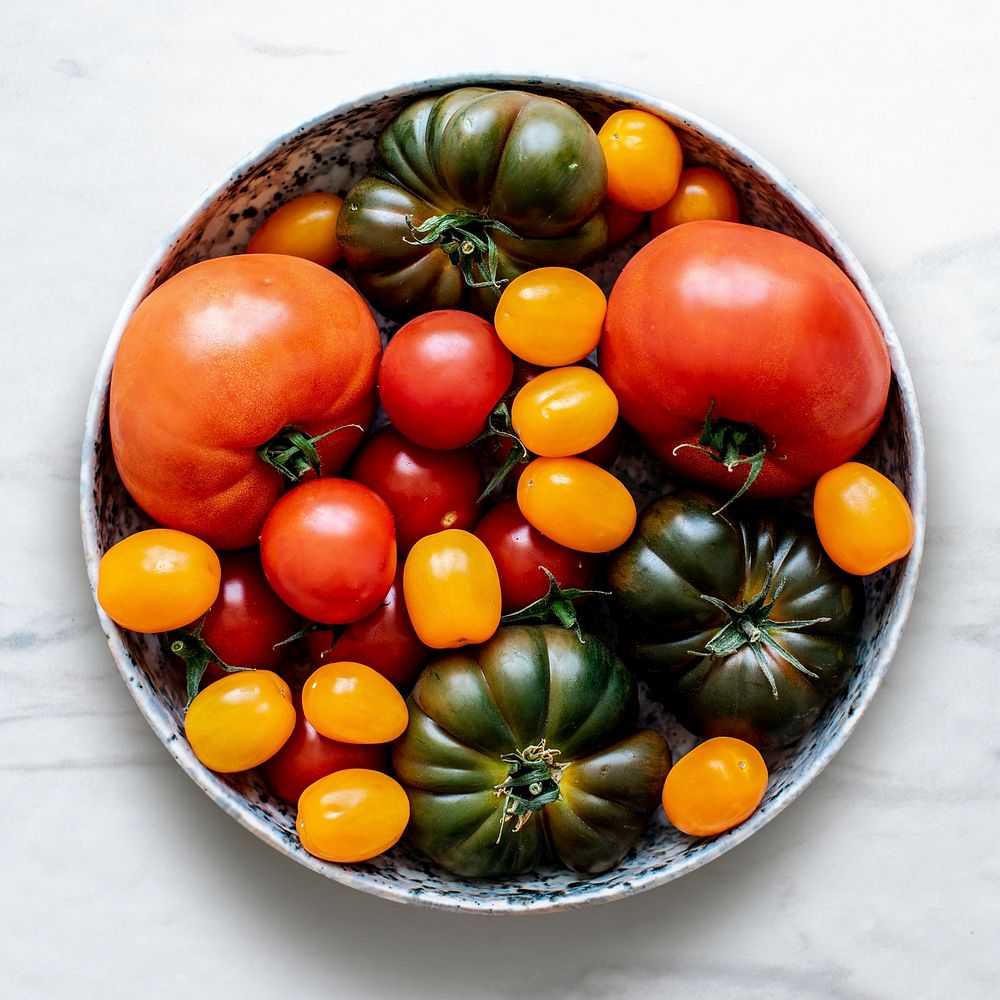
[[862, 519], [551, 316], [352, 815], [303, 227], [564, 411], [702, 193], [714, 787], [352, 703], [452, 589], [240, 721], [158, 580], [576, 504], [644, 159]]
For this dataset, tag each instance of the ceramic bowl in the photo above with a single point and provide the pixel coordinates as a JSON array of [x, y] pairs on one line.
[[331, 153]]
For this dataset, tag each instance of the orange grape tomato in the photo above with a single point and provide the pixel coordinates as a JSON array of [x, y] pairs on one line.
[[551, 316], [702, 193], [564, 411], [240, 721], [303, 227], [862, 519], [352, 815], [714, 787], [352, 703], [452, 589], [158, 580], [644, 159], [576, 504]]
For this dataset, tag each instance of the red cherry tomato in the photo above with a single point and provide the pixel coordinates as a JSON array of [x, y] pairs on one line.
[[426, 490], [441, 376], [306, 757], [518, 549], [385, 640], [329, 550]]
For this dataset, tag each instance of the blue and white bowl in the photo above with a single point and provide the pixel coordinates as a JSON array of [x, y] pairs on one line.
[[330, 153]]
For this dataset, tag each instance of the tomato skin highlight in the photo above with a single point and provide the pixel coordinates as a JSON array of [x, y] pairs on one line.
[[441, 376], [716, 786], [644, 159], [452, 590], [240, 721], [329, 550], [303, 227], [576, 504], [862, 518], [352, 703], [158, 580], [702, 193], [352, 815]]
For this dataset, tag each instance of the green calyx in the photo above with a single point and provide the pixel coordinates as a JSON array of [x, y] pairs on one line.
[[466, 239], [750, 624], [197, 655], [498, 426], [293, 452], [556, 606], [531, 785]]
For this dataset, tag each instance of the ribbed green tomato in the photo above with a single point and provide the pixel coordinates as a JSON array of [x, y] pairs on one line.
[[455, 172], [525, 750], [741, 623]]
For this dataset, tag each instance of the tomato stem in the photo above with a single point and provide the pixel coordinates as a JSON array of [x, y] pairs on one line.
[[498, 426], [197, 655], [557, 605], [531, 785], [293, 452], [465, 238]]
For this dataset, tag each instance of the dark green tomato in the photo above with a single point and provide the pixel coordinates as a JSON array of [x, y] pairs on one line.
[[741, 623], [521, 172], [523, 751]]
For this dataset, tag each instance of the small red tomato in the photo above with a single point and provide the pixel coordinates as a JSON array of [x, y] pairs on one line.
[[441, 376], [426, 490], [518, 549], [623, 223], [307, 757], [385, 640], [329, 550]]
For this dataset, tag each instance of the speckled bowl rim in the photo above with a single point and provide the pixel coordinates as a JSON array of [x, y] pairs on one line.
[[230, 802]]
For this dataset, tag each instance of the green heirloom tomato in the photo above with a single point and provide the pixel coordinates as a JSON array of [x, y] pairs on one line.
[[470, 189], [524, 750], [741, 623]]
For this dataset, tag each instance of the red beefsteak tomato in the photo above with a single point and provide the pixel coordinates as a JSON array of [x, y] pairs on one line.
[[226, 357], [757, 329]]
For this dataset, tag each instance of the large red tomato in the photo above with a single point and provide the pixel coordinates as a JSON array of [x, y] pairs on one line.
[[763, 331], [214, 365]]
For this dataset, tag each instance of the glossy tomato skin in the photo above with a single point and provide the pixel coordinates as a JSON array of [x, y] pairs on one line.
[[303, 227], [441, 376], [519, 550], [329, 550], [307, 756], [427, 490], [352, 703], [702, 193], [758, 327], [385, 640], [644, 159], [213, 364]]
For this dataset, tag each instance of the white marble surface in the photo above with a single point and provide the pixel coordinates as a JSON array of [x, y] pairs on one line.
[[119, 878]]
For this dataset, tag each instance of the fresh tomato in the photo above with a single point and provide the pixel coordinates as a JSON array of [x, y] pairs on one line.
[[862, 518], [385, 640], [702, 193], [352, 815], [452, 589], [551, 316], [623, 223], [441, 376], [519, 550], [157, 580], [644, 159], [232, 359], [329, 550], [240, 721], [303, 227], [564, 411], [353, 703], [715, 787], [307, 756], [576, 504], [427, 490]]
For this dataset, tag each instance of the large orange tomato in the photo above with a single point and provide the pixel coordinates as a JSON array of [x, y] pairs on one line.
[[228, 357], [759, 332]]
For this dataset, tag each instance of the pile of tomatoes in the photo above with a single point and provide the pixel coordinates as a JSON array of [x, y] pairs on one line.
[[244, 385]]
